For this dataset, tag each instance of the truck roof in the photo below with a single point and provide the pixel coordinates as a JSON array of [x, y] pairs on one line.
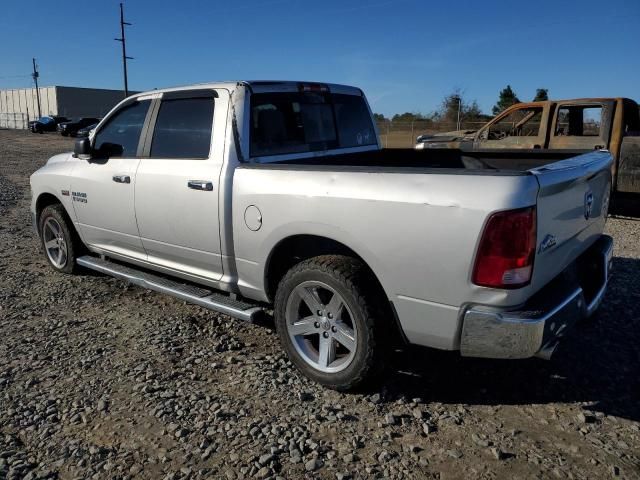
[[258, 86], [571, 100]]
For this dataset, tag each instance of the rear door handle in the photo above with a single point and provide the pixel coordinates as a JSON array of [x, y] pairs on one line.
[[122, 178], [200, 185]]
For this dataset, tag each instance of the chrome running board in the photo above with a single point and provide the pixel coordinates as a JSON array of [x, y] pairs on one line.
[[193, 294]]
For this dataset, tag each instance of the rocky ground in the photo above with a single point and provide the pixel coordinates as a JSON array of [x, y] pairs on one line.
[[99, 379]]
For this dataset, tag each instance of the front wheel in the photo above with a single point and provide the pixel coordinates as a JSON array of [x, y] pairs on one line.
[[327, 316], [58, 238]]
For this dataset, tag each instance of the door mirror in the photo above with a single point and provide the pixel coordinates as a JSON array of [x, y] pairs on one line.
[[108, 150], [82, 149]]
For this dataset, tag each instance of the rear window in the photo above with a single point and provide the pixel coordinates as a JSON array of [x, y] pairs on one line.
[[284, 123]]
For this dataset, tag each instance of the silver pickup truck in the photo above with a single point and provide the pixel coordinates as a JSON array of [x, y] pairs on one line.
[[246, 196]]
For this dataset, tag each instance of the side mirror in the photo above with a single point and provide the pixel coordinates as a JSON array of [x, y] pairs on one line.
[[82, 149], [108, 150]]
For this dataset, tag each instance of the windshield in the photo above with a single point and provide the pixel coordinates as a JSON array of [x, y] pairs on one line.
[[45, 119], [284, 123]]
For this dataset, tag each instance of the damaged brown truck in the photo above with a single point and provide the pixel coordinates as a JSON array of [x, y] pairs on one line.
[[536, 129]]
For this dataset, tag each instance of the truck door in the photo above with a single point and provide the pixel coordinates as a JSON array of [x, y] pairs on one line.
[[521, 127], [102, 188], [177, 185], [581, 126]]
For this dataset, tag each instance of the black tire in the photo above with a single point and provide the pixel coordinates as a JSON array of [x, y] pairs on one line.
[[64, 134], [72, 242], [355, 283]]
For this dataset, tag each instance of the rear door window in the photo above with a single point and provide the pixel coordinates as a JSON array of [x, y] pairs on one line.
[[581, 126], [579, 121], [283, 123], [183, 128]]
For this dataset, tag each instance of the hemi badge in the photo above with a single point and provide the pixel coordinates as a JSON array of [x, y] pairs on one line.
[[65, 193]]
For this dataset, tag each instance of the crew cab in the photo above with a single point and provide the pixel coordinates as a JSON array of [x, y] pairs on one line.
[[246, 196], [565, 126]]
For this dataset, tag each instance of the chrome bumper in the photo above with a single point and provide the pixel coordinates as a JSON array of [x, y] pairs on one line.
[[536, 329]]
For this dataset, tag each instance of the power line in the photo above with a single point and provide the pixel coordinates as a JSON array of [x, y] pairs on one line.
[[122, 40]]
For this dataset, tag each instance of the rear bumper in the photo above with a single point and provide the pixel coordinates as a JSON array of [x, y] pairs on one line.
[[536, 328]]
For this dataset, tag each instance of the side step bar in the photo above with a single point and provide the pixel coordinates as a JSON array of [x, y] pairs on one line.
[[200, 296]]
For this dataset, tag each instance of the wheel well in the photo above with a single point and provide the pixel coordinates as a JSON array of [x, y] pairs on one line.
[[46, 199], [43, 202], [298, 248]]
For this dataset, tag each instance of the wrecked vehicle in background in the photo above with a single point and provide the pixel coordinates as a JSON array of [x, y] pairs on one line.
[[570, 126]]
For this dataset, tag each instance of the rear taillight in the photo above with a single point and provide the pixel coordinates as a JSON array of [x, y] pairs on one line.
[[507, 249]]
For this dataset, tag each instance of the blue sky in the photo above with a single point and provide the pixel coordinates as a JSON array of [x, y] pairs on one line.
[[405, 54]]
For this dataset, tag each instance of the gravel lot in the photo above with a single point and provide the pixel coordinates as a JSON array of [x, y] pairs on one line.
[[99, 379]]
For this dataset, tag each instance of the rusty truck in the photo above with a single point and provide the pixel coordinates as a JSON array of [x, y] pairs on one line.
[[538, 129]]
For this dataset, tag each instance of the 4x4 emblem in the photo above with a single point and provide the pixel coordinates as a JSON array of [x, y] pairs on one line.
[[588, 205]]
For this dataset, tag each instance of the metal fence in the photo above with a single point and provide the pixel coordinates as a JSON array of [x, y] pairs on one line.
[[392, 134], [14, 120], [400, 134]]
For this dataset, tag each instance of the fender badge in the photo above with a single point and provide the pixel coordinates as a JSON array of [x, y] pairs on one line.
[[65, 193], [548, 242]]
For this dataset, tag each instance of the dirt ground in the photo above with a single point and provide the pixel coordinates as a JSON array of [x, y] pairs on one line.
[[99, 379]]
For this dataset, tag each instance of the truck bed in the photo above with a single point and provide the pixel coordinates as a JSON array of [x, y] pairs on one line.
[[415, 219], [509, 162]]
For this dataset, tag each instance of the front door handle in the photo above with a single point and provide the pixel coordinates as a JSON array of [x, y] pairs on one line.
[[205, 185], [122, 178]]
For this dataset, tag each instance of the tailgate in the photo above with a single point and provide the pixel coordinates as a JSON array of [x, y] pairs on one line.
[[572, 206]]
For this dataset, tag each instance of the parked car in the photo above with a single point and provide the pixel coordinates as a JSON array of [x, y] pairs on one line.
[[71, 128], [563, 127], [46, 124], [84, 132], [246, 195]]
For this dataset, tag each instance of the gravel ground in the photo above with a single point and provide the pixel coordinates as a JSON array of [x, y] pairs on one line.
[[99, 379]]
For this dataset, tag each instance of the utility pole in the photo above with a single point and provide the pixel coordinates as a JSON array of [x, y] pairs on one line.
[[124, 50], [35, 76]]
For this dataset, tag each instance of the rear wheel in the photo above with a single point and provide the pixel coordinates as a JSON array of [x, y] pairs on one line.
[[328, 320], [59, 239]]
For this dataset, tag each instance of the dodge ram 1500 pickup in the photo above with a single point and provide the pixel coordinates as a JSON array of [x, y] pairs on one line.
[[244, 196]]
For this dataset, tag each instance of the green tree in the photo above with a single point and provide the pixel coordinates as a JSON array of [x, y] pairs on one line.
[[542, 94], [379, 117], [507, 98], [408, 117], [454, 103]]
